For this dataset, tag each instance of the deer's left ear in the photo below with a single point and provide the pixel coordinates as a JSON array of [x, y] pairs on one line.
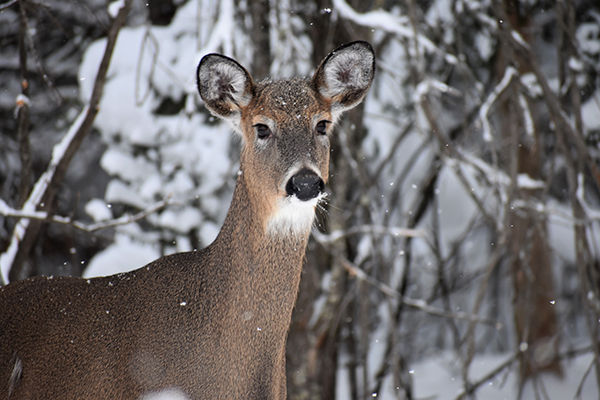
[[345, 75]]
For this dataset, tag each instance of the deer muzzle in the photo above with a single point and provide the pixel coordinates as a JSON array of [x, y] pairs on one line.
[[305, 185]]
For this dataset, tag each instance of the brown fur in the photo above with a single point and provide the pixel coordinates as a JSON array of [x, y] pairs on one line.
[[212, 323]]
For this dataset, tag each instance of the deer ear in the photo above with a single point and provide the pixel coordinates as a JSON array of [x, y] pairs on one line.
[[225, 86], [345, 75]]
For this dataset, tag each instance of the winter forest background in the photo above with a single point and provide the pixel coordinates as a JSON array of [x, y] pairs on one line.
[[459, 253]]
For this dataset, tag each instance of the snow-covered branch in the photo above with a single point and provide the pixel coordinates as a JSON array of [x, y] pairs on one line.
[[509, 74], [387, 22], [35, 197]]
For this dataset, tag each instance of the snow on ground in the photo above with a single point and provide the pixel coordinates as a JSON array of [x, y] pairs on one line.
[[439, 377]]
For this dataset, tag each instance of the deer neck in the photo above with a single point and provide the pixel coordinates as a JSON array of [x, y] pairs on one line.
[[262, 258], [255, 225]]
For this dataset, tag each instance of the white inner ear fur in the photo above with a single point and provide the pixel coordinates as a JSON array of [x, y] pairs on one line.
[[222, 75], [349, 69]]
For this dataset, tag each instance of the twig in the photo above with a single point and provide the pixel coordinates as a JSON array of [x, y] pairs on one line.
[[472, 387], [470, 335], [583, 378], [506, 364], [557, 113], [148, 36], [417, 304], [7, 211], [367, 229], [7, 4], [22, 110]]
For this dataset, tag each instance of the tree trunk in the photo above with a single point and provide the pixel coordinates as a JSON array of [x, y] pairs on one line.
[[530, 254]]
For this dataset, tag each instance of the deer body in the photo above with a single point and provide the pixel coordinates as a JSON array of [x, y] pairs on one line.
[[209, 323]]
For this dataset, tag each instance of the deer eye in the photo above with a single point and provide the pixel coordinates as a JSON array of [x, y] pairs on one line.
[[262, 131], [321, 127]]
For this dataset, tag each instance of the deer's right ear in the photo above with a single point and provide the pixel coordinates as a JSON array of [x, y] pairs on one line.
[[225, 86]]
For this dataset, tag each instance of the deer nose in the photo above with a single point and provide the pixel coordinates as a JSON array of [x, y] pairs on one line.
[[305, 185]]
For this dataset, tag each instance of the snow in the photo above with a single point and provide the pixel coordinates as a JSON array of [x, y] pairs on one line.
[[590, 112], [124, 165], [588, 36], [119, 192], [98, 210], [524, 181], [485, 45], [439, 377], [125, 254], [529, 81], [115, 7], [183, 220], [167, 394]]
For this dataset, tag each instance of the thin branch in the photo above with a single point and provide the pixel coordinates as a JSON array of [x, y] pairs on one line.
[[583, 379], [7, 4], [366, 229], [506, 364], [472, 387], [148, 37], [7, 211], [22, 110], [417, 304], [470, 335]]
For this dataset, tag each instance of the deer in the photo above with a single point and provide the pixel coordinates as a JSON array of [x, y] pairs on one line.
[[212, 323]]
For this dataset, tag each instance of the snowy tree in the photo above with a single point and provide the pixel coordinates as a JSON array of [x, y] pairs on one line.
[[457, 256]]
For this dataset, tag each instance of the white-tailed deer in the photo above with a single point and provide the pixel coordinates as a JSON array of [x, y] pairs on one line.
[[210, 324]]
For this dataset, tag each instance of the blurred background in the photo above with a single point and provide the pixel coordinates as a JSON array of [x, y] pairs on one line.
[[458, 253]]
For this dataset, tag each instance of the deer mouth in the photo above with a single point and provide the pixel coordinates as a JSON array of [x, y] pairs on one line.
[[305, 185]]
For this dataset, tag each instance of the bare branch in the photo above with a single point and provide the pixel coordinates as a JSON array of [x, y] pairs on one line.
[[366, 229], [7, 211], [417, 304], [472, 387], [22, 110], [7, 4]]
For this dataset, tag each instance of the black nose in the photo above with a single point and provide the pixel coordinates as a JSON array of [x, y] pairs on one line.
[[305, 185]]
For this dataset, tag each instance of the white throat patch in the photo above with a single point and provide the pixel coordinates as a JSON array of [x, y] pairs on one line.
[[293, 216]]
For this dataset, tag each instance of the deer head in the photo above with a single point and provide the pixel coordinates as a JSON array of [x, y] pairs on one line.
[[286, 126]]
